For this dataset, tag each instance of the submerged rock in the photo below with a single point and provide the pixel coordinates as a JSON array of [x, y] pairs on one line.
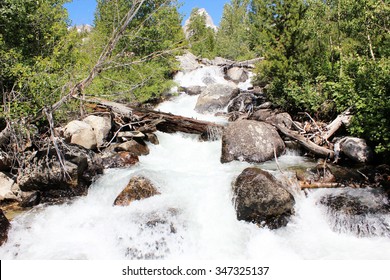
[[215, 97], [4, 228], [193, 90], [261, 199], [251, 141], [138, 188], [363, 212]]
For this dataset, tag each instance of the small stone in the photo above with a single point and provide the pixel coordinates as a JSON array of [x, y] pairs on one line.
[[138, 188]]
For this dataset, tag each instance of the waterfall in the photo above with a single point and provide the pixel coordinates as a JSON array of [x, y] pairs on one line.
[[192, 218]]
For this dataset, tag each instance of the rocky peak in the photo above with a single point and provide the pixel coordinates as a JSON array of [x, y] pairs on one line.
[[209, 21]]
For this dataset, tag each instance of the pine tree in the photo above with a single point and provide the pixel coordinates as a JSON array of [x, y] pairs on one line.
[[233, 35], [201, 37]]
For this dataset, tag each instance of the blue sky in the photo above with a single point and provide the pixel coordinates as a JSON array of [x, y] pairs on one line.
[[82, 11]]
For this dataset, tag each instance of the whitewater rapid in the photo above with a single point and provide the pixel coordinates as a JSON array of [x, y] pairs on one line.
[[193, 218]]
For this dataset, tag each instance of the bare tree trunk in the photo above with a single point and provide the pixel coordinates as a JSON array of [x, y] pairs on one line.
[[341, 119]]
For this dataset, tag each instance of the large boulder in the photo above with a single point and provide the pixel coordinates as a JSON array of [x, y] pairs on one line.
[[80, 133], [251, 141], [188, 62], [354, 148], [6, 191], [361, 212], [71, 177], [138, 188], [4, 228], [261, 199], [215, 97], [237, 74], [101, 127]]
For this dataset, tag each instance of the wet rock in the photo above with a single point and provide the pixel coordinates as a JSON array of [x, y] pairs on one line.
[[331, 173], [354, 148], [119, 160], [45, 173], [4, 228], [362, 212], [215, 97], [80, 133], [6, 190], [101, 127], [261, 199], [152, 138], [138, 188], [237, 74], [30, 199], [244, 102], [137, 148], [251, 141], [193, 90], [270, 116]]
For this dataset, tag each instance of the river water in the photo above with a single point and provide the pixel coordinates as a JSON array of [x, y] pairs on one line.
[[193, 218]]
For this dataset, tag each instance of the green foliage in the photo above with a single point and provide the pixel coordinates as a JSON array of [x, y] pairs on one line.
[[233, 35], [142, 64], [36, 55], [201, 37], [326, 56]]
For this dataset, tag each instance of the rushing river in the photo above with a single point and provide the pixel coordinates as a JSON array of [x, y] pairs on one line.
[[193, 218]]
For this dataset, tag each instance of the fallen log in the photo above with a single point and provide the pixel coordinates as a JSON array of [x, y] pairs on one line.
[[309, 145], [174, 123], [165, 122], [318, 185], [344, 118]]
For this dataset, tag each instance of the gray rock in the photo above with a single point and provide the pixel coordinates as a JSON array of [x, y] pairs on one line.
[[138, 188], [44, 172], [188, 62], [237, 74], [4, 228], [192, 90], [261, 199], [354, 148], [101, 127], [270, 116], [215, 97], [80, 133], [362, 212], [6, 190], [252, 141]]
